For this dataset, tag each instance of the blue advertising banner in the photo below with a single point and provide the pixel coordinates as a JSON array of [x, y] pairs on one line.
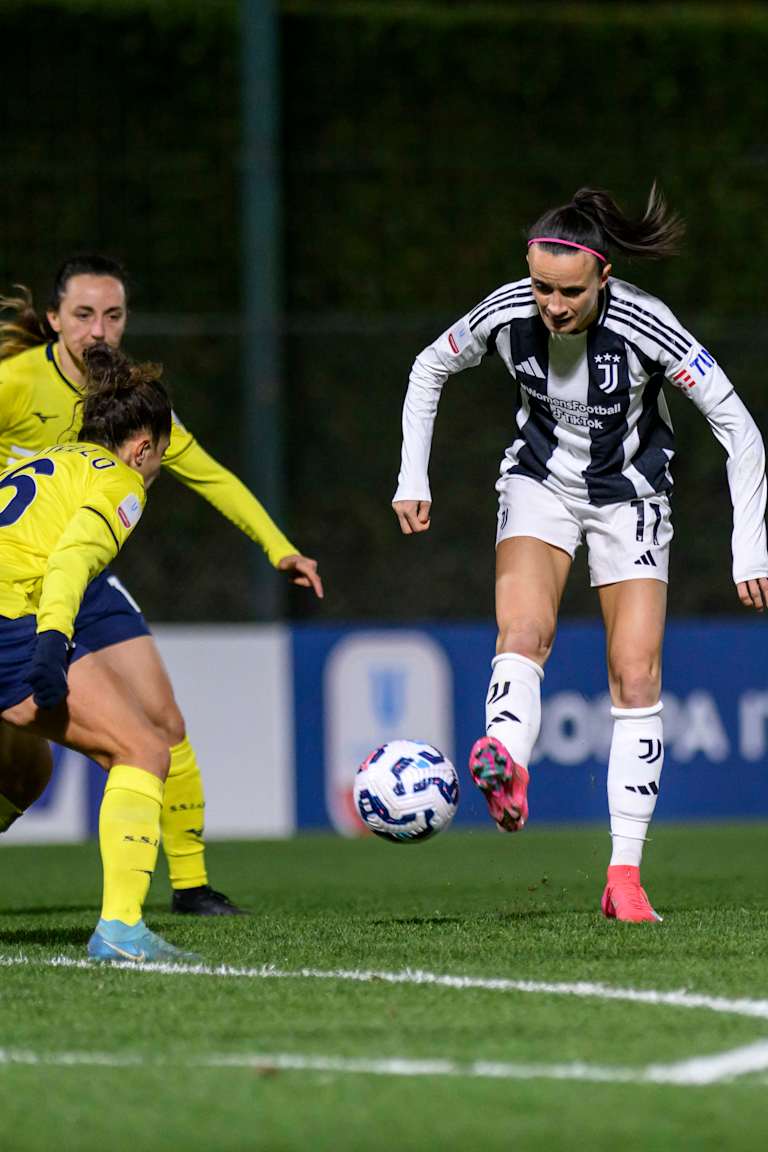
[[298, 709], [355, 688]]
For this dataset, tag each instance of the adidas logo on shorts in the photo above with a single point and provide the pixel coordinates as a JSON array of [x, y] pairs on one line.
[[647, 559]]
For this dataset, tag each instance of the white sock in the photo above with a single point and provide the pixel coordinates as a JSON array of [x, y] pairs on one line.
[[634, 769], [513, 704]]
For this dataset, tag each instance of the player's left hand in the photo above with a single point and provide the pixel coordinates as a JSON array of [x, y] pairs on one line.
[[754, 593], [303, 571], [47, 674]]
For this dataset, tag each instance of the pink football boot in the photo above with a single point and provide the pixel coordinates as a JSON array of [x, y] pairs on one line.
[[503, 782], [624, 899]]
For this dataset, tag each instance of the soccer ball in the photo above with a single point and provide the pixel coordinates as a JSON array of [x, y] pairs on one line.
[[406, 791]]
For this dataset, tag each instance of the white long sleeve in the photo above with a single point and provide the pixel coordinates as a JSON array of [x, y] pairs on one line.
[[739, 435], [455, 350]]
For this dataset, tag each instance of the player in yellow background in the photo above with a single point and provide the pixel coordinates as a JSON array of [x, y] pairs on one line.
[[41, 377], [64, 515]]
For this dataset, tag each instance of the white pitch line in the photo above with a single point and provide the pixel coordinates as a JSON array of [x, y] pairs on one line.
[[681, 998], [714, 1069], [722, 1067], [717, 1068], [705, 1070]]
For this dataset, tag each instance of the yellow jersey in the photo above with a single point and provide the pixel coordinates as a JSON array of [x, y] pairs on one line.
[[65, 513], [39, 406]]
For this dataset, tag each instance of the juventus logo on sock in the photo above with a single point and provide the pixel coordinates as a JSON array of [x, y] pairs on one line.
[[498, 692], [653, 750]]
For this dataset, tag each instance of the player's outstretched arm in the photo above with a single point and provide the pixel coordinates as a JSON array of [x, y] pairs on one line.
[[413, 515], [302, 571], [203, 474], [754, 593]]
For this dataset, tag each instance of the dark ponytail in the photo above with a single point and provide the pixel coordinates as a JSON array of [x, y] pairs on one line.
[[122, 398], [26, 327], [23, 329], [593, 220]]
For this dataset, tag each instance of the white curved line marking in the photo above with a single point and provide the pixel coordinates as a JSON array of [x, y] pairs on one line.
[[716, 1068], [706, 1070], [681, 998]]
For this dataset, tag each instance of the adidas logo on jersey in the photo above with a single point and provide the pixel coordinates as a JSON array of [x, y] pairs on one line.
[[647, 559], [530, 367]]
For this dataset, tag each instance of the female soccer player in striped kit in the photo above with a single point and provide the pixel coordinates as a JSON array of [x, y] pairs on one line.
[[589, 460], [41, 376], [65, 513]]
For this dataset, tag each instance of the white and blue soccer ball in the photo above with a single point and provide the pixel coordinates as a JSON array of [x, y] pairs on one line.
[[406, 791]]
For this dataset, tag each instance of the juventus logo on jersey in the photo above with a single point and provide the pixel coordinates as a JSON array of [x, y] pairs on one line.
[[609, 366]]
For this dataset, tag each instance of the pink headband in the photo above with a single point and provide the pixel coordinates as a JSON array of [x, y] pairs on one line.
[[568, 244]]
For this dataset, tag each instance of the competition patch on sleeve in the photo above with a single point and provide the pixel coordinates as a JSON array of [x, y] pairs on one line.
[[695, 370], [129, 510], [683, 379], [459, 336]]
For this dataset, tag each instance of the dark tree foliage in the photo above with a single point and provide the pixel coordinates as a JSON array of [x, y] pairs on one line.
[[418, 144]]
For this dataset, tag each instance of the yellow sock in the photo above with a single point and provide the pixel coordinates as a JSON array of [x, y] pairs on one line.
[[129, 833], [8, 813], [183, 818]]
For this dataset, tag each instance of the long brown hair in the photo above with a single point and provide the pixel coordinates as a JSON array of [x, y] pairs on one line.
[[593, 219], [26, 327]]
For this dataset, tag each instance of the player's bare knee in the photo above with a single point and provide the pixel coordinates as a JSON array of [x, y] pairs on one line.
[[635, 686], [525, 638], [174, 729], [146, 749], [169, 722]]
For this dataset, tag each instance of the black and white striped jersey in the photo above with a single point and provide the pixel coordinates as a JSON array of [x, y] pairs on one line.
[[589, 418]]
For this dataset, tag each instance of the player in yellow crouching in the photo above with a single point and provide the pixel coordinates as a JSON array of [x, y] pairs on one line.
[[41, 377], [64, 515]]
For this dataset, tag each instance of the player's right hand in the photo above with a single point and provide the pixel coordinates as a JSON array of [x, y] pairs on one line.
[[303, 571], [47, 673], [754, 593], [413, 515]]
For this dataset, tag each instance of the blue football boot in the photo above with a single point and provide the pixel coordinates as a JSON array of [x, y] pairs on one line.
[[115, 942]]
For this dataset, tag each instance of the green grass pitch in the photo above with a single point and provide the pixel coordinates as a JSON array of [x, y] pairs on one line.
[[94, 1058]]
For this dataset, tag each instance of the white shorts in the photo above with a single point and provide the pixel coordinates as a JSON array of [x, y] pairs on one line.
[[627, 541]]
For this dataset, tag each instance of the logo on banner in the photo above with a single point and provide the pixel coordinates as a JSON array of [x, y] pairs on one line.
[[387, 688], [380, 686]]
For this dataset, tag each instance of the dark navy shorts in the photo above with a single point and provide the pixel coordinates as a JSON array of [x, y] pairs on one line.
[[107, 616], [17, 647]]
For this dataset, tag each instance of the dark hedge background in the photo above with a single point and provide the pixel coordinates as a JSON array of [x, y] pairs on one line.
[[419, 140]]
